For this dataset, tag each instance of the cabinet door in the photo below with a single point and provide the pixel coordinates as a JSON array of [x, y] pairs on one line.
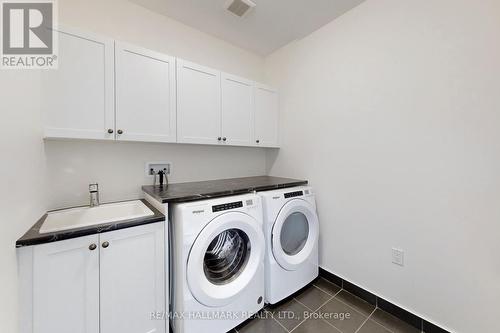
[[237, 110], [266, 116], [198, 104], [133, 279], [145, 95], [66, 286], [78, 97]]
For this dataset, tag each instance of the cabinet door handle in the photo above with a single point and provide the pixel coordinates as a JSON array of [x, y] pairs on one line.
[[224, 139], [110, 131], [92, 247], [105, 244], [119, 131]]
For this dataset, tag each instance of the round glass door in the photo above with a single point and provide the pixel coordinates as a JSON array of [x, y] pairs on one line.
[[226, 256], [295, 234]]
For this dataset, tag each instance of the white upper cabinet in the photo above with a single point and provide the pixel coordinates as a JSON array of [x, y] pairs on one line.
[[133, 279], [145, 95], [266, 116], [109, 90], [198, 104], [66, 286], [78, 97], [237, 110]]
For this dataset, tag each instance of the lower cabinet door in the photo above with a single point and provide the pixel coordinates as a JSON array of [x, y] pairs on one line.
[[66, 286], [133, 280]]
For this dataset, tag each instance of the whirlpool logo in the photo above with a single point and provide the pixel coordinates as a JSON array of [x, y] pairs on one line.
[[28, 34]]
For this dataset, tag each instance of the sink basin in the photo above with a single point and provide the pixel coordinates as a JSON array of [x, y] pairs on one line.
[[86, 216]]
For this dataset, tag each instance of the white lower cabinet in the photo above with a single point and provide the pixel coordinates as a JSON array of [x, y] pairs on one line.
[[105, 283], [133, 280], [66, 286]]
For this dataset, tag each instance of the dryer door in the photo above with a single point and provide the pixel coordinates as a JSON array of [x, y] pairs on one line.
[[224, 258], [295, 234]]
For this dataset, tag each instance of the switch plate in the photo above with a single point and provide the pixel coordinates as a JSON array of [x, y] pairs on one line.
[[398, 256], [157, 166]]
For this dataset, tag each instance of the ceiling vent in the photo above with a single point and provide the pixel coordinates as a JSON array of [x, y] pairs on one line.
[[239, 7]]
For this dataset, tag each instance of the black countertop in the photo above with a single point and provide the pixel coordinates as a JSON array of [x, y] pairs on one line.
[[184, 192], [34, 237]]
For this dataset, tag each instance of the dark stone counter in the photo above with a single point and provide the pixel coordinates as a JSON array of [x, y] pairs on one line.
[[184, 192]]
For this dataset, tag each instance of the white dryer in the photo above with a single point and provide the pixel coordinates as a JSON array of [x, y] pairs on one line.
[[291, 229], [218, 263]]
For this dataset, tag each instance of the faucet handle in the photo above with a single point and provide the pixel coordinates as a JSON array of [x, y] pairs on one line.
[[93, 187]]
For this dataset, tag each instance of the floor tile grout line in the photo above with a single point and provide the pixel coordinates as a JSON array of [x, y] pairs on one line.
[[329, 299], [352, 306], [293, 329], [367, 318], [331, 325], [421, 330], [276, 320], [329, 283], [286, 329], [303, 320], [327, 292], [380, 324], [326, 321]]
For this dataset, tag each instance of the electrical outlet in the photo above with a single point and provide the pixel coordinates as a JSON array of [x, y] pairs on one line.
[[152, 168], [398, 256]]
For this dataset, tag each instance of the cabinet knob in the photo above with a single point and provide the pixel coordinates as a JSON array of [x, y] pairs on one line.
[[224, 139], [105, 244], [110, 131], [119, 131], [92, 247], [257, 141], [219, 138]]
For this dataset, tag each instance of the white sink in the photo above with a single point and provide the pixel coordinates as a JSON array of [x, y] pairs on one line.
[[86, 216]]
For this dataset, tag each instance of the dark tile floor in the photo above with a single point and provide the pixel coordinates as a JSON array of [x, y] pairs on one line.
[[323, 307]]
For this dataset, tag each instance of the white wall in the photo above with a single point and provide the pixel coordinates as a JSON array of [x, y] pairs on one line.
[[22, 170], [119, 167], [393, 113]]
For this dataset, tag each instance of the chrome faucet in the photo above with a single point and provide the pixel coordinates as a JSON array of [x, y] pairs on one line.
[[94, 194]]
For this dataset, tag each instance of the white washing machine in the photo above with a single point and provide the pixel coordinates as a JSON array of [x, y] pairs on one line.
[[291, 229], [217, 263]]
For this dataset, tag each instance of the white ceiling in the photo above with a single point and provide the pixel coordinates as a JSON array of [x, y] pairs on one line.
[[271, 25]]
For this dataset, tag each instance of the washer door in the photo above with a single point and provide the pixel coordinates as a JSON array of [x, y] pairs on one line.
[[224, 258], [295, 234]]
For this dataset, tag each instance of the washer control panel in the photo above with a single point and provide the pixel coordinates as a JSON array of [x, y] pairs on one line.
[[227, 206], [294, 194]]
